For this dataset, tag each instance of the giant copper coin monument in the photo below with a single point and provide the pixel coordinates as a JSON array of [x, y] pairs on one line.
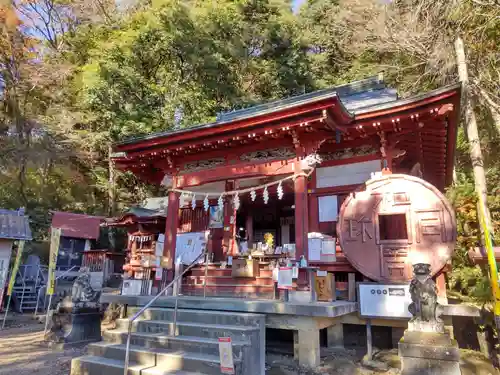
[[396, 221]]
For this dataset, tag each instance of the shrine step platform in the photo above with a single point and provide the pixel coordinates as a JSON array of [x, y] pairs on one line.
[[189, 346], [317, 309], [220, 282], [212, 317]]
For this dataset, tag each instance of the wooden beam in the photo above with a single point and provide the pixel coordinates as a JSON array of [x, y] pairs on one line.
[[247, 170]]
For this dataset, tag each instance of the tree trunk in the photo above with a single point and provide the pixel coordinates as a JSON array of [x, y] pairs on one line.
[[472, 133], [493, 107]]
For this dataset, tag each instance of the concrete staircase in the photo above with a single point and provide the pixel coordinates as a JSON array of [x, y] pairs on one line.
[[192, 349]]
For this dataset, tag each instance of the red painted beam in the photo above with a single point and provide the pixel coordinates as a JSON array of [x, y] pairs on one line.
[[275, 168]]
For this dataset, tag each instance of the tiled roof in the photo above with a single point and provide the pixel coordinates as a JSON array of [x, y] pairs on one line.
[[77, 225], [14, 225], [354, 95]]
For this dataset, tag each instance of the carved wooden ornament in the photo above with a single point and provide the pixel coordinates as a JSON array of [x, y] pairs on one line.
[[397, 221]]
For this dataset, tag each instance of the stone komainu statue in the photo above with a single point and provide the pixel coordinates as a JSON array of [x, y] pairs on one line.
[[82, 290], [423, 291]]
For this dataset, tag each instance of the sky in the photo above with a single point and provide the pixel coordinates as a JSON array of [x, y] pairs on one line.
[[297, 4]]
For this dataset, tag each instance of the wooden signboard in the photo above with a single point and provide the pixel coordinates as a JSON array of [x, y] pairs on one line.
[[245, 268], [323, 285]]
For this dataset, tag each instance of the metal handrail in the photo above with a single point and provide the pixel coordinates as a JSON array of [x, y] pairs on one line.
[[24, 290], [148, 305], [39, 290]]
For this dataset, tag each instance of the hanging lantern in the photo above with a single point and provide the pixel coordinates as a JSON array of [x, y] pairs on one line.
[[253, 195], [236, 201], [193, 202], [205, 203], [265, 195], [220, 202], [280, 191]]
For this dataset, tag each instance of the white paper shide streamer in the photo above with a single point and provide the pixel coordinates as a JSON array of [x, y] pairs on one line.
[[253, 195], [236, 201], [220, 202], [280, 191], [312, 160], [265, 195], [206, 204]]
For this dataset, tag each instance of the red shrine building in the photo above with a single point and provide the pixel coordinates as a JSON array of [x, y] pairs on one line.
[[356, 129], [302, 182]]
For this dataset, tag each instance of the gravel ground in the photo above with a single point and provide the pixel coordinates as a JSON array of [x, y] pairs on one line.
[[23, 352]]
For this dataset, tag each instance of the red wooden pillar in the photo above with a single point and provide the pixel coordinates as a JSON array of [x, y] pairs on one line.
[[313, 205], [229, 225], [172, 222], [301, 224]]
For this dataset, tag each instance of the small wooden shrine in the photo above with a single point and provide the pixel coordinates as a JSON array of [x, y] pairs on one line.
[[145, 227], [285, 169]]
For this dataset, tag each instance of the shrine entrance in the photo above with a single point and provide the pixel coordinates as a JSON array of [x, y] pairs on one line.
[[275, 217]]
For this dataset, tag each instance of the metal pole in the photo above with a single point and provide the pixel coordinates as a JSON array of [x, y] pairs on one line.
[[47, 315], [24, 290], [491, 262], [127, 348], [175, 316], [206, 275], [37, 302], [6, 311], [369, 344]]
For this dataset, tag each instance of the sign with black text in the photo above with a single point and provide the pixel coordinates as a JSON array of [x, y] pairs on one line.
[[226, 355]]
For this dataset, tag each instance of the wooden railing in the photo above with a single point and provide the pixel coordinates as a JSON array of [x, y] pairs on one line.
[[94, 260]]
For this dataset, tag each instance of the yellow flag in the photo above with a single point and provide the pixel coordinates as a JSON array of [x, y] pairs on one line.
[[17, 262], [55, 237]]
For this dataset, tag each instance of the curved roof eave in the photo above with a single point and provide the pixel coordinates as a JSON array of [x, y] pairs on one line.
[[272, 107]]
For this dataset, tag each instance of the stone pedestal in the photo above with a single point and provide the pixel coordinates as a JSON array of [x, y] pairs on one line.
[[428, 353], [309, 348], [74, 324]]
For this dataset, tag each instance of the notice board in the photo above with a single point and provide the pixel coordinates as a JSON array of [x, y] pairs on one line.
[[389, 301]]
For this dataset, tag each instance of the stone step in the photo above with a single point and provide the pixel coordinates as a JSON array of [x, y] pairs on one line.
[[199, 316], [165, 360], [92, 365], [103, 366], [213, 331], [199, 345]]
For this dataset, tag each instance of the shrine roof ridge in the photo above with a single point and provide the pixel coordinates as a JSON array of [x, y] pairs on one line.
[[408, 100], [352, 96]]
